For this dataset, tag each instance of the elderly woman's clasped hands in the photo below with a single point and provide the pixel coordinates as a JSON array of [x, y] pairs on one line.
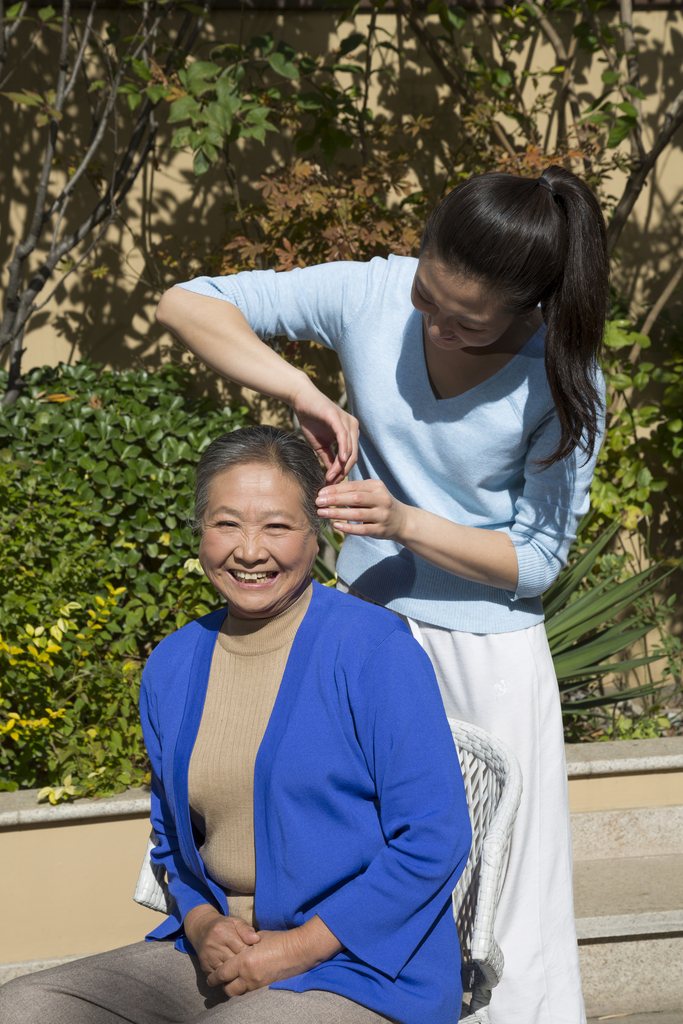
[[236, 956]]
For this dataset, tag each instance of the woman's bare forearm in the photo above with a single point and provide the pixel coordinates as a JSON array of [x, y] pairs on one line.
[[218, 334], [483, 556], [366, 508]]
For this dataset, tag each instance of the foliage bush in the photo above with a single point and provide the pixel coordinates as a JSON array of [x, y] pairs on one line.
[[601, 616], [97, 561], [638, 476]]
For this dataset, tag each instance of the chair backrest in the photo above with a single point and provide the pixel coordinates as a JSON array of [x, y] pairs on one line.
[[493, 785], [151, 890]]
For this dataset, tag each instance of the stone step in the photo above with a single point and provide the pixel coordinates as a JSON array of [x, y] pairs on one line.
[[629, 897], [629, 922], [664, 1017]]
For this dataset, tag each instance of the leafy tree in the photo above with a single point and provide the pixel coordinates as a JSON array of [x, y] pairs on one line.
[[91, 68]]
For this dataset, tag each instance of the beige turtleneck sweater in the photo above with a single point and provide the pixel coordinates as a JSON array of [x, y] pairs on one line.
[[246, 670]]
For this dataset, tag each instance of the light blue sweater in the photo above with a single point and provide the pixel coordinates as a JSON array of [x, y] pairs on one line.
[[470, 459]]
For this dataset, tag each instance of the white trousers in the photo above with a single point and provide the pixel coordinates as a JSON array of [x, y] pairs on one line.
[[506, 684]]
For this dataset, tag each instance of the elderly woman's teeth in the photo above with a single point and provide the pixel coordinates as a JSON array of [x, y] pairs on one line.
[[251, 575]]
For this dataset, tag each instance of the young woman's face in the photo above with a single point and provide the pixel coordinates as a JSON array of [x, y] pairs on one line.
[[458, 312], [257, 545]]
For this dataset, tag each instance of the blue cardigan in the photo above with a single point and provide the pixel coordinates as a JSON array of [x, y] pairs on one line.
[[360, 813]]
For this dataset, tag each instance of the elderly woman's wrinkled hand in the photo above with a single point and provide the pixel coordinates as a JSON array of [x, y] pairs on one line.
[[279, 955], [217, 938]]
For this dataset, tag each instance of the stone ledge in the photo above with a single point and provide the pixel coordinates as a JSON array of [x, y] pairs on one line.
[[639, 832], [624, 757], [627, 977], [21, 808], [17, 970], [623, 926]]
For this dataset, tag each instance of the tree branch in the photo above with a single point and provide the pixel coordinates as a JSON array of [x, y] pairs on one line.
[[366, 89], [626, 10], [76, 265], [662, 301], [561, 55], [106, 206], [81, 50], [102, 125], [7, 31], [531, 131], [637, 148], [23, 249], [673, 119], [199, 25], [452, 75]]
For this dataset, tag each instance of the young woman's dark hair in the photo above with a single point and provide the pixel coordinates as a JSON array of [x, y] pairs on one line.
[[538, 240]]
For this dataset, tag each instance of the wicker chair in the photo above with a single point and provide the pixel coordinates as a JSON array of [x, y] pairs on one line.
[[493, 784]]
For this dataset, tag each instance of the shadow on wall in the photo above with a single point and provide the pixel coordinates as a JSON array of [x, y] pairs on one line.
[[172, 222]]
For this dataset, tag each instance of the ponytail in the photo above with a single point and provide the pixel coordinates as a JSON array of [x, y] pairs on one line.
[[538, 240]]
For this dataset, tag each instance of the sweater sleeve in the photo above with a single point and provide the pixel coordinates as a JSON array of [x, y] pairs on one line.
[[382, 915], [550, 507], [187, 890], [310, 304]]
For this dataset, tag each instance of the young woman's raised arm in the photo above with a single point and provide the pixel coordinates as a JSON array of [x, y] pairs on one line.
[[218, 334]]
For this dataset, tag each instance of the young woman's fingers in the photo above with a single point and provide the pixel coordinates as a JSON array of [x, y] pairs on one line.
[[345, 429], [357, 514], [349, 456], [328, 456], [325, 425], [359, 529]]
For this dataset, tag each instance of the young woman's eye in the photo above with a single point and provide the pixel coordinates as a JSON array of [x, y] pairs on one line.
[[423, 298]]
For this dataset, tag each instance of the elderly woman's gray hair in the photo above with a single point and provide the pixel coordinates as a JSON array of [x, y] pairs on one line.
[[270, 445]]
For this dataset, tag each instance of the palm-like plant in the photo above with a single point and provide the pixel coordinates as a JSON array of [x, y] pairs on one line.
[[585, 631]]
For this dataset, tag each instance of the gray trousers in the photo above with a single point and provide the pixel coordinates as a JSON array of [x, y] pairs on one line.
[[152, 983]]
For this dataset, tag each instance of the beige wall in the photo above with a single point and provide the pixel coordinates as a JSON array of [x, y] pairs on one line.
[[112, 318], [68, 889], [619, 792]]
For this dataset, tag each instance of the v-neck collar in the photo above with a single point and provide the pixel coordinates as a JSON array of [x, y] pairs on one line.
[[470, 391]]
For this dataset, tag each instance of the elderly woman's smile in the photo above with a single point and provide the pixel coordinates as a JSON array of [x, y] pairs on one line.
[[258, 545]]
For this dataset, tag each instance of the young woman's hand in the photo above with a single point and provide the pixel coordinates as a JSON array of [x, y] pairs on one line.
[[279, 955], [217, 938], [366, 508], [325, 424], [363, 507]]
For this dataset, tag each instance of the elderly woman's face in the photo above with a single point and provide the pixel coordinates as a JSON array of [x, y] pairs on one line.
[[257, 545]]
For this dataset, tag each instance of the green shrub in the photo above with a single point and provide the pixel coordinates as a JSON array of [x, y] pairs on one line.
[[97, 561], [602, 614]]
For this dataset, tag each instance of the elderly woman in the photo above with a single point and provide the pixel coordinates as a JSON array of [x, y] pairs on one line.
[[306, 791]]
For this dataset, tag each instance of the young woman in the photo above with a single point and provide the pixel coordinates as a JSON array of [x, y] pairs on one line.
[[476, 411]]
